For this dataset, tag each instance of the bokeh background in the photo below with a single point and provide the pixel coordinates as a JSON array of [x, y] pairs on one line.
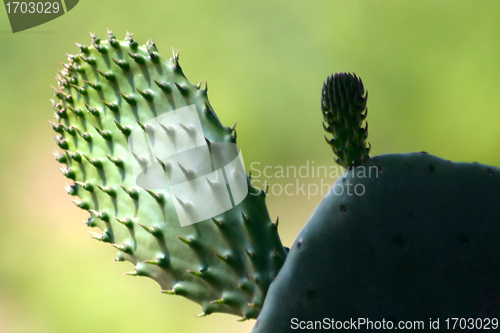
[[432, 69]]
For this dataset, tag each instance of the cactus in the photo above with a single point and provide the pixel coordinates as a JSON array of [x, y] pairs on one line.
[[114, 90], [398, 237]]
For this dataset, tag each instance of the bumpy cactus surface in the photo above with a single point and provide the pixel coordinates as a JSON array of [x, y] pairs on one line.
[[398, 237], [114, 89]]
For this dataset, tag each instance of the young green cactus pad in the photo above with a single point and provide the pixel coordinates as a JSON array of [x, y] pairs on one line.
[[113, 89], [343, 103], [398, 237]]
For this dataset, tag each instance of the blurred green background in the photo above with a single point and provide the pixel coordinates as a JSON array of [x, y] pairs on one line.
[[432, 69]]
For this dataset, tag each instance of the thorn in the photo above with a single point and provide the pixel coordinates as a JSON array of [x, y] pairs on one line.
[[253, 279], [62, 143], [96, 86], [176, 57], [163, 86], [124, 129], [120, 163], [221, 257], [82, 204], [128, 37], [108, 75], [252, 305], [207, 107], [168, 291], [218, 301], [122, 64], [159, 197], [217, 223], [83, 48], [132, 43], [112, 39], [267, 188], [187, 241], [96, 162], [61, 113], [93, 111], [72, 190], [245, 218], [112, 106], [153, 55], [128, 221], [90, 222], [78, 112], [144, 127], [94, 37], [86, 186], [209, 182], [162, 164], [190, 130], [183, 90], [275, 224], [143, 162], [130, 99], [137, 58], [109, 190], [104, 215], [61, 158], [234, 126], [187, 173], [250, 255], [152, 262], [203, 314], [96, 236], [168, 129], [77, 157], [244, 318], [100, 48], [146, 94], [183, 204], [89, 60], [195, 273], [133, 193], [133, 273], [105, 134]]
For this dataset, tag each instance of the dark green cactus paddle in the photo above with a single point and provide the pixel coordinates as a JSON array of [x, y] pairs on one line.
[[416, 238]]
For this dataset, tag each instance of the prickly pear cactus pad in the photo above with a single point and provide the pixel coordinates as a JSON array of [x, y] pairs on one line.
[[399, 237], [108, 91], [343, 102]]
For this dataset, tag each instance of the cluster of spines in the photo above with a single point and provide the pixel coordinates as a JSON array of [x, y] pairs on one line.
[[343, 103], [73, 90]]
